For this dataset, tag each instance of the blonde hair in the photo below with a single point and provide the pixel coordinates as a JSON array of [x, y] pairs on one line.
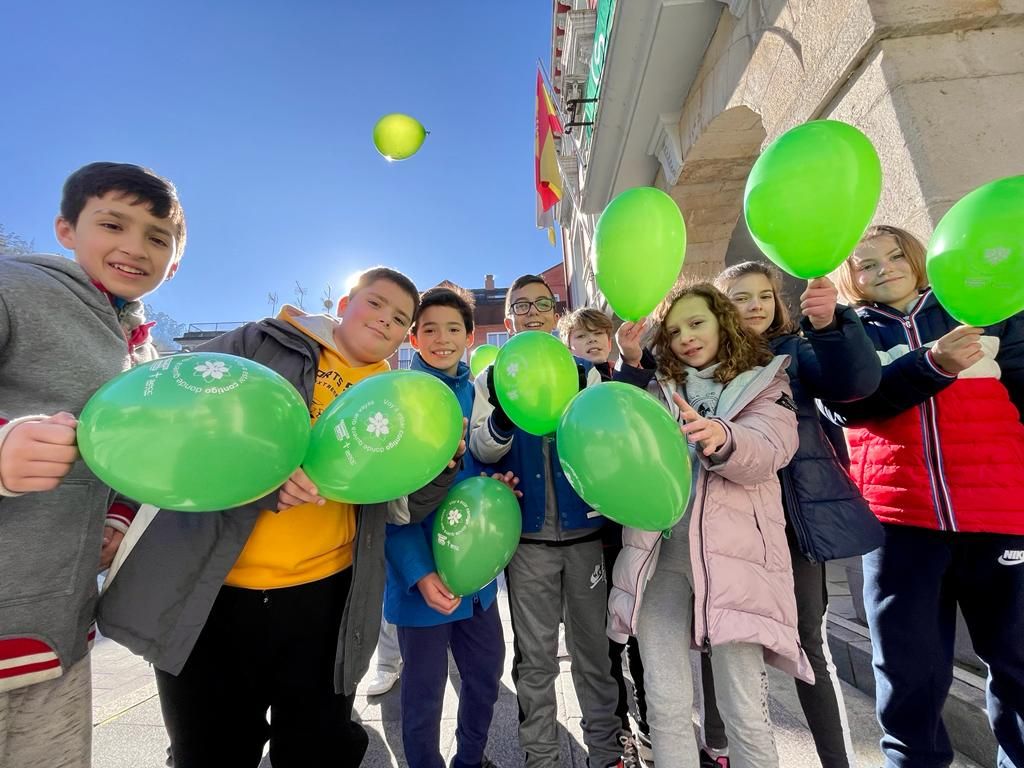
[[739, 349], [588, 319], [912, 249], [781, 324]]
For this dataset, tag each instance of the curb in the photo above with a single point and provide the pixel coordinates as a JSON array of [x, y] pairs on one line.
[[964, 712]]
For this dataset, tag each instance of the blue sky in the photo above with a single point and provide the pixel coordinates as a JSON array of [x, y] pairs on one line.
[[262, 114]]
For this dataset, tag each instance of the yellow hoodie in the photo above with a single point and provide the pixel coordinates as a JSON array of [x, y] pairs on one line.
[[307, 542]]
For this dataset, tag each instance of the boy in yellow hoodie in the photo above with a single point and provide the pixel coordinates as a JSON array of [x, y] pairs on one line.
[[277, 603]]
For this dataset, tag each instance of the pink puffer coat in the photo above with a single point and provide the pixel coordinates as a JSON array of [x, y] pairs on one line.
[[743, 577]]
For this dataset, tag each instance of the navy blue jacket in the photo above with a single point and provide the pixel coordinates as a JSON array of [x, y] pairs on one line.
[[827, 517], [409, 548]]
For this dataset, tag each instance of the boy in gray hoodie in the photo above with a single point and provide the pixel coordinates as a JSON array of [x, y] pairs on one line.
[[66, 327]]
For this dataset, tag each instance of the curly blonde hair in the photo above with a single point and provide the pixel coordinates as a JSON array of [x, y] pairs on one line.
[[739, 349]]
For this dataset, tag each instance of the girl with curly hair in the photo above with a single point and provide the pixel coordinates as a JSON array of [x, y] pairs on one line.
[[721, 577]]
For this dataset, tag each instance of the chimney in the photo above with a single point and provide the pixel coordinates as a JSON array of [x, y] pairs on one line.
[[489, 282]]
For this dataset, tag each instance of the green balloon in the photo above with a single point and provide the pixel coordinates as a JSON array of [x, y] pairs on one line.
[[195, 433], [384, 438], [639, 246], [398, 136], [810, 196], [623, 453], [975, 258], [482, 356], [476, 532], [535, 378]]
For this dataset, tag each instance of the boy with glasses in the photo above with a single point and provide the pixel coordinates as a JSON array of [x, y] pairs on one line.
[[559, 562]]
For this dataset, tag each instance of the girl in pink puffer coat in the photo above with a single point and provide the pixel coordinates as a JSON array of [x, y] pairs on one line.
[[723, 583]]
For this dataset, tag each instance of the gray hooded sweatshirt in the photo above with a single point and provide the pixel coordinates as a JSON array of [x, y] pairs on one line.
[[60, 339]]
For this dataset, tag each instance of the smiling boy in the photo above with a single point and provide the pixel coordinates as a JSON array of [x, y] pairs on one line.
[[66, 328]]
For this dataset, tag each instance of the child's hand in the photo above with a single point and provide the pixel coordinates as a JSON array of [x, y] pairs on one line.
[[436, 594], [111, 541], [508, 479], [959, 349], [628, 338], [37, 454], [298, 489], [462, 445], [818, 302], [708, 432]]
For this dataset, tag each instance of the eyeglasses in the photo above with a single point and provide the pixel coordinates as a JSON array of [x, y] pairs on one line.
[[523, 307]]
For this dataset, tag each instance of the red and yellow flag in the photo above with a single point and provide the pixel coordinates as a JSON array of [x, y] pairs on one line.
[[546, 172]]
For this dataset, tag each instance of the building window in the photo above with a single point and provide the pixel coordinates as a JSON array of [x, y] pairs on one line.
[[404, 357], [497, 339]]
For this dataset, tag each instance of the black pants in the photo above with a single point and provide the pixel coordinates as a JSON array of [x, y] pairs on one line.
[[822, 701], [265, 649], [612, 541], [912, 586]]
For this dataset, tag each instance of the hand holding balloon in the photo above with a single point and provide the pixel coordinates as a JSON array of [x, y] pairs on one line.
[[959, 349], [818, 302], [709, 433], [462, 445], [38, 454], [628, 339], [508, 478], [298, 489], [436, 594]]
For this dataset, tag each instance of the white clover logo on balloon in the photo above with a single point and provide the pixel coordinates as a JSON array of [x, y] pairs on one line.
[[512, 369], [378, 424], [454, 517], [212, 369]]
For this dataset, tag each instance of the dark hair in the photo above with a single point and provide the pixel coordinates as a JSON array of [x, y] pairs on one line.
[[373, 274], [453, 297], [782, 323], [739, 349], [521, 282], [134, 181], [587, 318]]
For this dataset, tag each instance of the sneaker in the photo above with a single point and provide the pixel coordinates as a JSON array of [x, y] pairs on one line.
[[381, 683], [644, 750], [708, 760], [630, 759]]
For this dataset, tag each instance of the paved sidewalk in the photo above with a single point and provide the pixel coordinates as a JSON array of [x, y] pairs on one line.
[[129, 731]]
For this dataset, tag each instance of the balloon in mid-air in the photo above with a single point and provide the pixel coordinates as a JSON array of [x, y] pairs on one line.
[[398, 136]]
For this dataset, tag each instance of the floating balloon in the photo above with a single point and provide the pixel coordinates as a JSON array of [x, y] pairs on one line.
[[535, 377], [623, 453], [482, 356], [975, 258], [195, 433], [639, 246], [398, 136], [810, 196], [384, 438], [476, 532]]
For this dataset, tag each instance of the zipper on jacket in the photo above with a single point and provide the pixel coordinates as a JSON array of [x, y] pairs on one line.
[[791, 505], [944, 514], [706, 640], [942, 510]]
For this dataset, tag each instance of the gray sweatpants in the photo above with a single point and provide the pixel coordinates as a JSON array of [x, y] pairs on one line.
[[49, 724], [541, 579], [665, 631]]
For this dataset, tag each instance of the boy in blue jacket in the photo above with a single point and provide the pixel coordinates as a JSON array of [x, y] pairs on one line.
[[430, 619]]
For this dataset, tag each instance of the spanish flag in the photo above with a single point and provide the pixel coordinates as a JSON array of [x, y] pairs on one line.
[[548, 178]]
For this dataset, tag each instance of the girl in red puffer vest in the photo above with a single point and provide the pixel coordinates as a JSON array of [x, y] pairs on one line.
[[938, 452]]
